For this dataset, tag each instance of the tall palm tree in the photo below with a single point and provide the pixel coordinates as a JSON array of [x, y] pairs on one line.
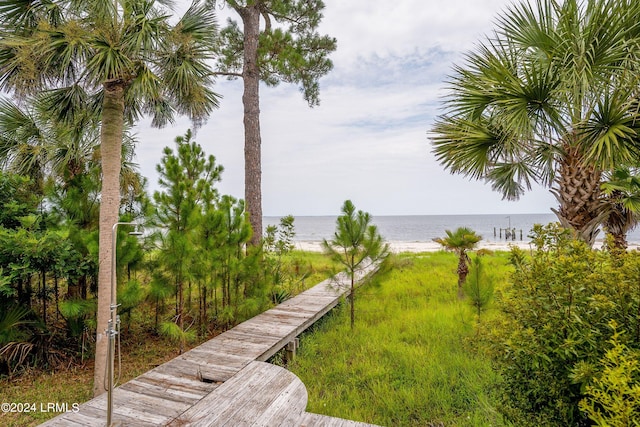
[[549, 99], [125, 56], [460, 241]]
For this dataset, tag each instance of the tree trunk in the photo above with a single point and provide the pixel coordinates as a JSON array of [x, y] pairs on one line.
[[463, 271], [44, 296], [111, 152], [352, 300], [251, 103], [579, 195], [56, 292], [618, 221]]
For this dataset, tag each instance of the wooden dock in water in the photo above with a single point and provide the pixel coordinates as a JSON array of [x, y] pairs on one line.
[[225, 381]]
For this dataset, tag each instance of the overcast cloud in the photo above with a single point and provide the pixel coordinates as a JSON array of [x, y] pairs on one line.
[[367, 141]]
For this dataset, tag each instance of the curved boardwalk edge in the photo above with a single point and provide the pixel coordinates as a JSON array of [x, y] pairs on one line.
[[224, 381]]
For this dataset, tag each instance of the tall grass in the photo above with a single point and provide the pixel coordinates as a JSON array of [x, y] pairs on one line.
[[410, 360]]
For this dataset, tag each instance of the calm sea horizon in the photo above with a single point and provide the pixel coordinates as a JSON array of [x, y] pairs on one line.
[[423, 228]]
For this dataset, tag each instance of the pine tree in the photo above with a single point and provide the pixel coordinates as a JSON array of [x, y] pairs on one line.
[[286, 49], [355, 244], [186, 177]]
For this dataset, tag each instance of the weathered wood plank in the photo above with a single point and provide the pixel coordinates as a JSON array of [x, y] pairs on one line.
[[314, 420], [172, 383], [286, 409], [170, 394], [175, 389], [258, 389]]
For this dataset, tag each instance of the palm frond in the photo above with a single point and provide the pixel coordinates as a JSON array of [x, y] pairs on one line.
[[611, 132]]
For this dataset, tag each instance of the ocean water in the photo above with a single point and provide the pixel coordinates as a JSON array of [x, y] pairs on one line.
[[423, 228]]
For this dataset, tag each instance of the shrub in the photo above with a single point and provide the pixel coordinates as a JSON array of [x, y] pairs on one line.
[[613, 397], [557, 310]]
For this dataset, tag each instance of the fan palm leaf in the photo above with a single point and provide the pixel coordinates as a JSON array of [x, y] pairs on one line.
[[552, 93]]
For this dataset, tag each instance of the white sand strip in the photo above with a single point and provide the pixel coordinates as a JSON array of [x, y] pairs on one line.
[[398, 247]]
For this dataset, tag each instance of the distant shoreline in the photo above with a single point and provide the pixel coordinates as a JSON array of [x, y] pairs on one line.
[[399, 247]]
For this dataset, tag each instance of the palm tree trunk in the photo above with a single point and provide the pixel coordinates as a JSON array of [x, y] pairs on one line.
[[251, 103], [463, 271], [578, 194], [111, 153], [618, 221]]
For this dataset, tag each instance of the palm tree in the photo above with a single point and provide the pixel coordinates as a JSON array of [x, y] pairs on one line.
[[549, 99], [127, 58], [28, 139], [460, 241], [34, 144], [621, 206]]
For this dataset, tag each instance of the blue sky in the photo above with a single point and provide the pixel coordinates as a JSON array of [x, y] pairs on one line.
[[367, 141]]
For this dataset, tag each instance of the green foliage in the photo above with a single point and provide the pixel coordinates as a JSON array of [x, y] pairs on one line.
[[278, 296], [548, 78], [278, 244], [204, 243], [479, 286], [15, 336], [76, 313], [289, 47], [557, 309], [174, 332], [279, 239], [460, 241], [612, 398], [12, 320], [355, 240], [187, 178], [548, 98], [130, 296], [621, 207], [6, 291], [16, 199], [355, 244], [409, 363]]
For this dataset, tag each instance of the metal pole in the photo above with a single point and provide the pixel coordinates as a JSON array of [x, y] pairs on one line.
[[111, 326]]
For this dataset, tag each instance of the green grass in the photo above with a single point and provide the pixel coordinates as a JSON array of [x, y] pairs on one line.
[[410, 360]]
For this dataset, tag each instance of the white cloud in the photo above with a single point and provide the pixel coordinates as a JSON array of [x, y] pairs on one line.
[[367, 140]]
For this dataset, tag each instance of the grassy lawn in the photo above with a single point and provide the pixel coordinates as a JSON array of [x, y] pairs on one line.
[[410, 360]]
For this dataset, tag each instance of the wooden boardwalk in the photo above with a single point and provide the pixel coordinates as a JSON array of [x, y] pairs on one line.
[[225, 381]]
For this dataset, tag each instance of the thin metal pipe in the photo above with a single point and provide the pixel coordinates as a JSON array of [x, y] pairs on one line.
[[111, 326]]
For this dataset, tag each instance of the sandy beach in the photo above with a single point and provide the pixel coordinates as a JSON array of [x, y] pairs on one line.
[[398, 247]]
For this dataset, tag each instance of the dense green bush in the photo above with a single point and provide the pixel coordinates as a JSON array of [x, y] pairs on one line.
[[613, 397], [556, 325]]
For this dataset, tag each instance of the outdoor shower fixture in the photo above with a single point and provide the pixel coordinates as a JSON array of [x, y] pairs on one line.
[[113, 326]]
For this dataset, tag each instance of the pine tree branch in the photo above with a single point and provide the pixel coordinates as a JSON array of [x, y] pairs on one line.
[[227, 74]]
